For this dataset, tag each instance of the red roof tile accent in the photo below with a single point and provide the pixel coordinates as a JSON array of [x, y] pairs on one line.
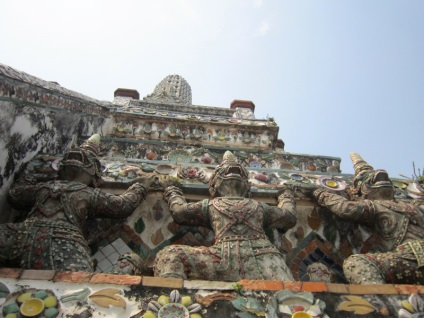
[[406, 289], [420, 289], [243, 104], [296, 286], [293, 286], [10, 272], [102, 278], [72, 277], [261, 284], [315, 287]]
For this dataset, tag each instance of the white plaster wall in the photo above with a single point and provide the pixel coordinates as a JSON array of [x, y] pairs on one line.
[[27, 130]]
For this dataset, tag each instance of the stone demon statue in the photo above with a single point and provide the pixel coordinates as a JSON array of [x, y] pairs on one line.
[[397, 228], [241, 249], [51, 236]]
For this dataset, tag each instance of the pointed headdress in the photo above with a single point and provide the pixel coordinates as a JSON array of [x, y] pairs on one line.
[[229, 168], [85, 157]]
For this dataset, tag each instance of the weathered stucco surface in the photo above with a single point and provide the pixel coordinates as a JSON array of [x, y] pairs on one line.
[[40, 116]]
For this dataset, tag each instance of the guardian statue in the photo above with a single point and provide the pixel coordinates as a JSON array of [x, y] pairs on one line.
[[396, 227], [241, 249], [52, 237]]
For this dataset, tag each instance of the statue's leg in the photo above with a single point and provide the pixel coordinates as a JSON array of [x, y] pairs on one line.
[[180, 261], [397, 267], [9, 245], [359, 269], [69, 251], [267, 266], [405, 265]]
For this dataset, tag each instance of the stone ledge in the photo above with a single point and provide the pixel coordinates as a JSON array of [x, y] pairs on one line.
[[38, 274], [162, 282], [358, 289], [148, 281], [208, 285], [337, 288]]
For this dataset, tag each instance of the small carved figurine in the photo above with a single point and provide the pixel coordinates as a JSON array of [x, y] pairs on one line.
[[318, 272], [397, 228], [129, 264], [241, 249], [51, 236]]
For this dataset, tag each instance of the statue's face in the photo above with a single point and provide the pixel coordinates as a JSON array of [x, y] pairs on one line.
[[79, 165], [230, 179], [76, 174], [375, 185]]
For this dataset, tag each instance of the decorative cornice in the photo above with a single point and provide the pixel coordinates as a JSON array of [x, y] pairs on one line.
[[17, 85]]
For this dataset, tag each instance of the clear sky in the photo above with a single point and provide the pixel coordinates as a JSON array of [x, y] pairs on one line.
[[338, 76]]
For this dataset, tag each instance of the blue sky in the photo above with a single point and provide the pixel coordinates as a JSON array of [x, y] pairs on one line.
[[337, 76]]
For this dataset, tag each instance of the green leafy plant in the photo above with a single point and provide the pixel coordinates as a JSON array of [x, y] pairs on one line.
[[238, 288]]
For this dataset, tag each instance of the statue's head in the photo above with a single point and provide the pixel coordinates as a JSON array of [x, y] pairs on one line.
[[318, 272], [129, 263], [81, 164], [369, 183], [229, 179]]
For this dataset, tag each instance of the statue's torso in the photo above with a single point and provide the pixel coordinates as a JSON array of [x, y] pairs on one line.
[[62, 201], [233, 216], [397, 223]]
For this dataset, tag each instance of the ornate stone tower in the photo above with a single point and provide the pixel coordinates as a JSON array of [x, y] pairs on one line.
[[173, 89]]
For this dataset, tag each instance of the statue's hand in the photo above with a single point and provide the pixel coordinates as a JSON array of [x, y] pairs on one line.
[[172, 191], [318, 192], [288, 189], [143, 181], [321, 193], [26, 180], [286, 194], [167, 181]]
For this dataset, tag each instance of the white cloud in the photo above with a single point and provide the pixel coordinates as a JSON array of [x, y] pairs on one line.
[[188, 9], [258, 3], [263, 29]]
